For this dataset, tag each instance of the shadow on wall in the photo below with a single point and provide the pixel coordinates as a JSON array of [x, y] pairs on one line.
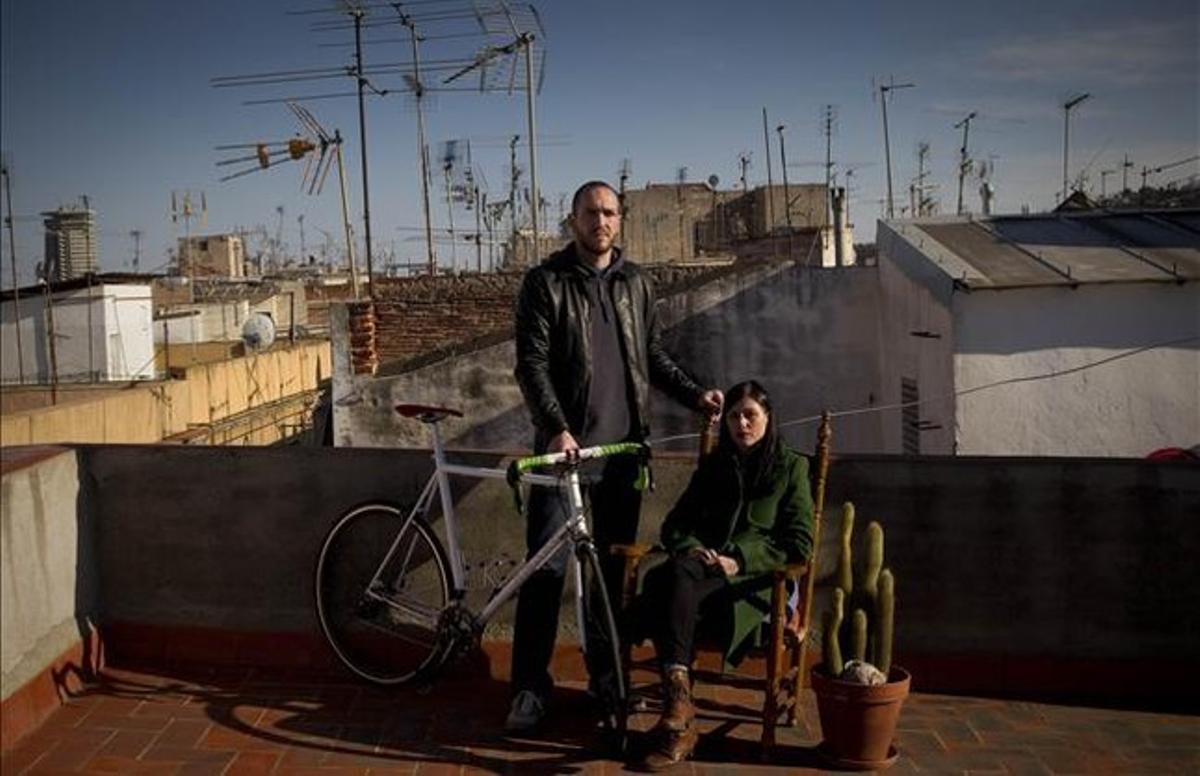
[[71, 676]]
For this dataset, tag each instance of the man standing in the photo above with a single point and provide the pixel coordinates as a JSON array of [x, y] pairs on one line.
[[588, 350]]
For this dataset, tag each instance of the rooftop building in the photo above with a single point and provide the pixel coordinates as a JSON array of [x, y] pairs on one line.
[[71, 247]]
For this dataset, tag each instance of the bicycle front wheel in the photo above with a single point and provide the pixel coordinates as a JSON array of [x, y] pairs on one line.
[[382, 583]]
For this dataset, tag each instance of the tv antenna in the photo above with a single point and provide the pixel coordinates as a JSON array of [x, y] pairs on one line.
[[449, 159], [417, 87], [1067, 106], [136, 234], [849, 175], [188, 206], [744, 164], [964, 162], [498, 68], [770, 183], [787, 199], [327, 149], [828, 126], [921, 204], [884, 91], [623, 174], [6, 173]]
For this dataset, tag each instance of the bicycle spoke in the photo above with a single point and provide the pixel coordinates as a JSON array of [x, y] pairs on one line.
[[382, 585]]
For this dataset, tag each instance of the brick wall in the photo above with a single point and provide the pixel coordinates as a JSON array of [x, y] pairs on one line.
[[417, 320]]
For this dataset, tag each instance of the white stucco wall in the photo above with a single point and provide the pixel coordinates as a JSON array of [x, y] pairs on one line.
[[1127, 407], [117, 317], [43, 577], [129, 349]]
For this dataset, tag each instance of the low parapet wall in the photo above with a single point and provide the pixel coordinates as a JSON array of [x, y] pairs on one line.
[[1014, 576], [203, 395], [47, 585]]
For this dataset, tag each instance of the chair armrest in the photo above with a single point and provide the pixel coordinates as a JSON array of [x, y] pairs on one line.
[[792, 572], [630, 552]]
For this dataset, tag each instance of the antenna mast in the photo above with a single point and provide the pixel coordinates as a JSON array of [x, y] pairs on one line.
[[136, 234], [357, 12], [887, 150], [12, 256], [828, 130], [418, 90], [787, 199], [964, 164], [770, 183], [1067, 106]]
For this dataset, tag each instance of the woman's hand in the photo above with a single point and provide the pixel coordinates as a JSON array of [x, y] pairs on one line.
[[711, 558]]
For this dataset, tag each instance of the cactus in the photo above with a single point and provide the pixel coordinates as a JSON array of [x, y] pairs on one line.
[[858, 635], [833, 621], [885, 608], [870, 599], [844, 577]]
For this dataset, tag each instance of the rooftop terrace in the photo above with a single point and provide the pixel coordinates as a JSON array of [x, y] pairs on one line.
[[157, 617], [189, 720]]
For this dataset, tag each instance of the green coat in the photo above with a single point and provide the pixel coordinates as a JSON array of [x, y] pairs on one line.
[[762, 530]]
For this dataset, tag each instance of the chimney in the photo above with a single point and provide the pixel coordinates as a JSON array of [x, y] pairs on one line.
[[839, 224], [364, 358]]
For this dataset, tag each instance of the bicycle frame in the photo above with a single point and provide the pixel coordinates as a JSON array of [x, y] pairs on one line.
[[574, 526]]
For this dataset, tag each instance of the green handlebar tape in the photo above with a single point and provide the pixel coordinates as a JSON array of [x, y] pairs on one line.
[[600, 451], [522, 465]]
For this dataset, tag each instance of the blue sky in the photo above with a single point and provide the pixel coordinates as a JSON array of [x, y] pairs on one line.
[[114, 100]]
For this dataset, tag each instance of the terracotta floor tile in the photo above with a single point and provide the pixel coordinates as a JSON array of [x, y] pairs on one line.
[[196, 721]]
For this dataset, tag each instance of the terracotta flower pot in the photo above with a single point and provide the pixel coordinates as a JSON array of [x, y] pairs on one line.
[[858, 722]]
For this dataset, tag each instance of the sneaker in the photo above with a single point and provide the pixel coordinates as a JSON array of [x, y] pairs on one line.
[[526, 713]]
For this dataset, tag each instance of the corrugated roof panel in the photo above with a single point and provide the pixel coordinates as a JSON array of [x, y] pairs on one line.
[[1086, 254], [1002, 264], [1076, 248]]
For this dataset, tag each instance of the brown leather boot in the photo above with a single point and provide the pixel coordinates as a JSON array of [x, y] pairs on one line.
[[678, 711], [670, 749]]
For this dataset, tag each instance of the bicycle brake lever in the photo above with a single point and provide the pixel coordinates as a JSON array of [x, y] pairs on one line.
[[513, 477]]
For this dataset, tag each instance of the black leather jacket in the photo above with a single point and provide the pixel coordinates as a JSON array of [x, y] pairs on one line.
[[554, 360]]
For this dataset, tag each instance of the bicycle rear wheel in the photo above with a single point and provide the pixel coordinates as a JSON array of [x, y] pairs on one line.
[[606, 670], [382, 583]]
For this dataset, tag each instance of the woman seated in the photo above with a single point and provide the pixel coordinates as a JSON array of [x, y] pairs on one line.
[[747, 510]]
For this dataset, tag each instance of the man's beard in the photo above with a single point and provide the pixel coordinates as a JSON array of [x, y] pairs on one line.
[[595, 243]]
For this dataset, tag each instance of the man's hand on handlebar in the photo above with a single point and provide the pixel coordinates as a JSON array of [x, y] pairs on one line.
[[563, 442]]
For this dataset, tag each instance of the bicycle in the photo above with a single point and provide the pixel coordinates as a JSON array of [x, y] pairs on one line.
[[391, 598]]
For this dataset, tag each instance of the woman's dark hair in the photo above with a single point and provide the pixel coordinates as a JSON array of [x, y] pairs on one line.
[[766, 451]]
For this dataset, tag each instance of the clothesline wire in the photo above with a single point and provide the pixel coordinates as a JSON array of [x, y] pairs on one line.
[[964, 392]]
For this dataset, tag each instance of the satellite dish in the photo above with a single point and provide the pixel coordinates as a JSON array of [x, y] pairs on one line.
[[713, 180], [258, 332]]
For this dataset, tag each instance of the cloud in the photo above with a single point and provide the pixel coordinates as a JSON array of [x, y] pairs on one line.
[[1133, 54]]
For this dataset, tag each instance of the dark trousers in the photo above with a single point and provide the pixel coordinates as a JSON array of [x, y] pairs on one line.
[[615, 505], [679, 590]]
